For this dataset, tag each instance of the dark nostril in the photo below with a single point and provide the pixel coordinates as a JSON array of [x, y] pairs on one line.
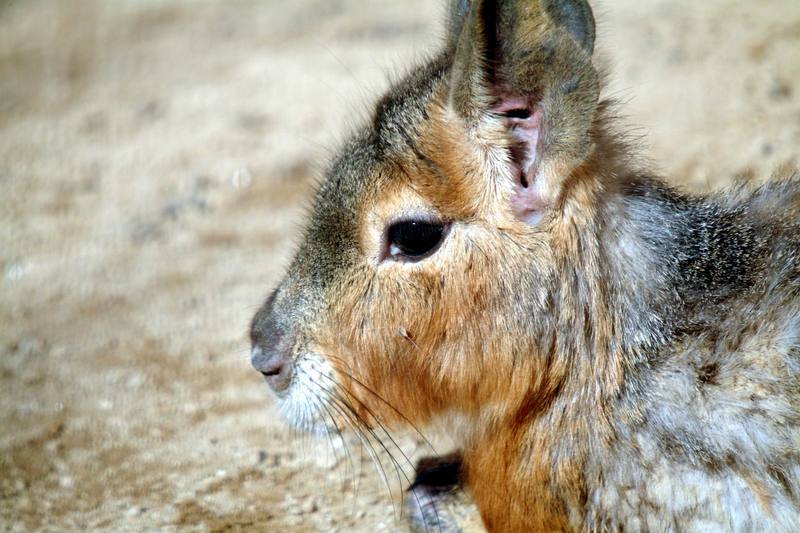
[[273, 370], [268, 363], [275, 366], [271, 353]]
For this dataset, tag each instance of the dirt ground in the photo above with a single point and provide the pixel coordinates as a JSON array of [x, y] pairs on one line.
[[154, 161]]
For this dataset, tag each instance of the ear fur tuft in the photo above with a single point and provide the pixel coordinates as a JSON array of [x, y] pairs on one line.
[[529, 61]]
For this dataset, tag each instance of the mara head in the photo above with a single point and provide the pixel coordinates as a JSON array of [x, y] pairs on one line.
[[422, 285]]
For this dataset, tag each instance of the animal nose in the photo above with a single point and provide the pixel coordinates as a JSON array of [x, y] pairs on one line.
[[271, 354], [275, 365]]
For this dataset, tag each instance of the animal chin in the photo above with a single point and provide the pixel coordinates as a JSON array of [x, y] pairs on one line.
[[308, 402]]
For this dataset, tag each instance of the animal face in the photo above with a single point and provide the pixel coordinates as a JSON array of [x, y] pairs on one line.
[[423, 282]]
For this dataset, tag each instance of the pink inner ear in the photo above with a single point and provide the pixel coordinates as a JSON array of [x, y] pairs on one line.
[[524, 122]]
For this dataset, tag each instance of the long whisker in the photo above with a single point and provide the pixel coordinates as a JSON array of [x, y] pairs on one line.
[[344, 443], [368, 389], [340, 434], [355, 422], [369, 411], [336, 398], [398, 467], [324, 410], [322, 403], [321, 407]]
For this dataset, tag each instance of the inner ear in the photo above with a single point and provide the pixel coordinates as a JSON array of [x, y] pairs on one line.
[[523, 120], [529, 63], [523, 123]]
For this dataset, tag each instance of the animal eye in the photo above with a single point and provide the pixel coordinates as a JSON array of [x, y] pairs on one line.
[[414, 239]]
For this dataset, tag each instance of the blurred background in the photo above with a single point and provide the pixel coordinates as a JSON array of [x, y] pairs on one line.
[[155, 157]]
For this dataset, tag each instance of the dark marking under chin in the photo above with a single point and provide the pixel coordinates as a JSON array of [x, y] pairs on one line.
[[434, 494]]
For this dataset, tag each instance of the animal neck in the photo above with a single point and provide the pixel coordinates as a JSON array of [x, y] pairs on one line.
[[619, 294]]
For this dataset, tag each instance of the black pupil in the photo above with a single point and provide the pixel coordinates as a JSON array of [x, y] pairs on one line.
[[415, 238]]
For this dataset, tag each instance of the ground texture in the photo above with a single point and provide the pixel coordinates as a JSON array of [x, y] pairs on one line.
[[155, 157]]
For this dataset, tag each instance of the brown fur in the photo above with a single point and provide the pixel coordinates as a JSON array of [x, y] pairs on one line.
[[554, 339]]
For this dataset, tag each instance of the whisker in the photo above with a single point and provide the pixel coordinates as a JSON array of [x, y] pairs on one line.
[[336, 398], [365, 387], [375, 417], [398, 467], [356, 424], [361, 404], [322, 404]]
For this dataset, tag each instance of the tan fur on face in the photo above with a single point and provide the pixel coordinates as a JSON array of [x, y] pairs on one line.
[[449, 324], [627, 358]]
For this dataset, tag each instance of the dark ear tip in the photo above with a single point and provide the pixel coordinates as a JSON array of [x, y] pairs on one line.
[[576, 17], [456, 16]]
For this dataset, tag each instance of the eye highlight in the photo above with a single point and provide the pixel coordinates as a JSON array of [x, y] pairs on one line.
[[414, 239]]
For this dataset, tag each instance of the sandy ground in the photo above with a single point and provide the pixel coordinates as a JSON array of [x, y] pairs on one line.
[[154, 160]]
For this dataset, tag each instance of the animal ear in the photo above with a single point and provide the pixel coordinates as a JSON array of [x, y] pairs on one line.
[[528, 63], [457, 11], [574, 16]]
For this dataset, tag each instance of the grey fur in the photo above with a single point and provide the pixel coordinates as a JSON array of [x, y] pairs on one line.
[[703, 295]]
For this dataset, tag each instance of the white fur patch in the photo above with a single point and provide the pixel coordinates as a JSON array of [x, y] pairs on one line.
[[306, 404]]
